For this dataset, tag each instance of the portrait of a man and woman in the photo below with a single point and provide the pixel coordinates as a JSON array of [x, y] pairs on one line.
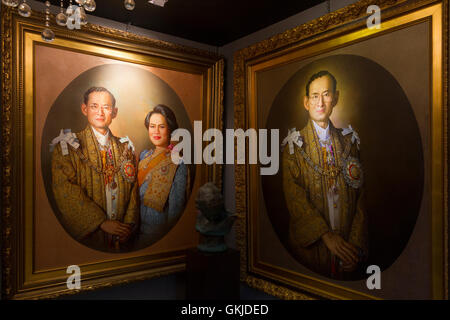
[[108, 198]]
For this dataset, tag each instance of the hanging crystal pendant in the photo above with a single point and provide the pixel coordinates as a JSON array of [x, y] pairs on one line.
[[7, 3], [47, 35], [80, 2], [61, 18], [24, 9], [90, 5], [129, 4], [11, 3], [82, 15]]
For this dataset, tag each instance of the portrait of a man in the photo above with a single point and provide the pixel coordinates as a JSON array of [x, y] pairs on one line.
[[323, 187], [94, 178]]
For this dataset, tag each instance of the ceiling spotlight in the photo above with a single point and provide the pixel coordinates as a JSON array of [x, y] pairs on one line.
[[160, 3]]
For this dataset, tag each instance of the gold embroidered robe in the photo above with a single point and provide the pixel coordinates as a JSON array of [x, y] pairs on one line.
[[306, 197], [79, 190]]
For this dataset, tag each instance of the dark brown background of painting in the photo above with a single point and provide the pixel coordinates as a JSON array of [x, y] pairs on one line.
[[405, 54], [56, 68]]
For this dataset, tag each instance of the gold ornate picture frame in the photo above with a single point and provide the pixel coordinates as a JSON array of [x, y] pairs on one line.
[[36, 250], [410, 52]]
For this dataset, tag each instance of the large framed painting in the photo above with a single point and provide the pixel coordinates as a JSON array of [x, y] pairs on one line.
[[88, 177], [358, 206]]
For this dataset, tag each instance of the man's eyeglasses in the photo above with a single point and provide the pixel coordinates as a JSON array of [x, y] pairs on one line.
[[326, 97], [105, 109]]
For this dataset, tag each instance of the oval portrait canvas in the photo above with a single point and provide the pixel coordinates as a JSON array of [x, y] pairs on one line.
[[351, 176], [106, 158]]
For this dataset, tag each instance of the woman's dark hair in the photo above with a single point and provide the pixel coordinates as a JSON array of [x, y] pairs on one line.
[[168, 114]]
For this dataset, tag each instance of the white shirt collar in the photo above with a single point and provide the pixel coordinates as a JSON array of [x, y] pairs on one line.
[[323, 134], [103, 140]]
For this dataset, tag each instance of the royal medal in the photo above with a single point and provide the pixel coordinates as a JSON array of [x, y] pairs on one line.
[[353, 173], [164, 170], [128, 171], [148, 177]]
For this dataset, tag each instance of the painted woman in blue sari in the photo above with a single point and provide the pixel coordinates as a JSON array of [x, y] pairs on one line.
[[163, 184]]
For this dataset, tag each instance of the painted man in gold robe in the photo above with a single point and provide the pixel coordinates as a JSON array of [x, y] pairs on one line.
[[94, 178], [322, 182]]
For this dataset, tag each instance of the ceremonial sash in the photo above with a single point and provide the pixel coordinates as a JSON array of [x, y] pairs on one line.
[[160, 171], [147, 164]]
